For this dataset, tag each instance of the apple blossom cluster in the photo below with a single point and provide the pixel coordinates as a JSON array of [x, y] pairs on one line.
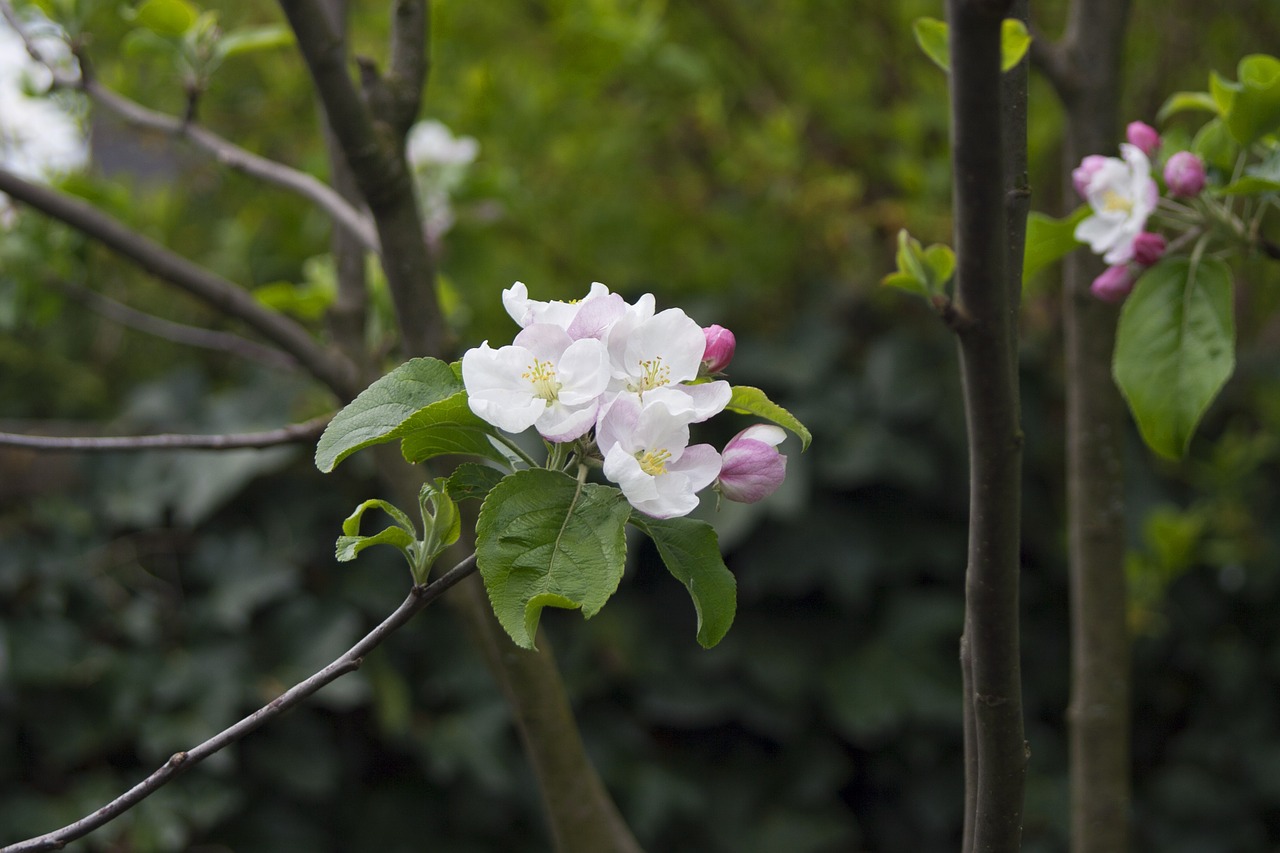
[[623, 383], [1123, 196]]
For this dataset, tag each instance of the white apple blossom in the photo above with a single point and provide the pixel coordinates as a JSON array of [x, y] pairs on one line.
[[1122, 194], [544, 379], [647, 453], [652, 359]]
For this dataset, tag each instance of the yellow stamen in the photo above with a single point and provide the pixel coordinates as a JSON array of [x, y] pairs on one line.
[[653, 462], [542, 375], [1112, 201], [653, 374]]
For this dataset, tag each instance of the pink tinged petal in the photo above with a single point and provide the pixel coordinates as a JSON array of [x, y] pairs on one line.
[[658, 429], [561, 423], [1081, 175], [768, 433], [1184, 174], [596, 316], [545, 340], [700, 463], [617, 423]]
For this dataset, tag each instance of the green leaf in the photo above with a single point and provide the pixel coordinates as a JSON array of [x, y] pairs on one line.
[[1175, 348], [442, 525], [931, 34], [1015, 41], [249, 39], [349, 547], [546, 540], [1181, 102], [164, 17], [924, 272], [691, 552], [403, 536], [1215, 145], [1251, 107], [1049, 240], [752, 401], [1250, 185], [374, 416], [448, 426], [472, 481]]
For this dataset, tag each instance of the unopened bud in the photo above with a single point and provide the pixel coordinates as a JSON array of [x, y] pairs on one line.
[[719, 350], [1142, 135], [1081, 175], [1184, 174], [1114, 284], [1148, 247], [751, 467]]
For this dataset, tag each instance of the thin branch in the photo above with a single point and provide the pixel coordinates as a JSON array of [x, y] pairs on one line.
[[292, 434], [222, 150], [178, 333], [419, 597], [1050, 59], [329, 367], [343, 214], [410, 60]]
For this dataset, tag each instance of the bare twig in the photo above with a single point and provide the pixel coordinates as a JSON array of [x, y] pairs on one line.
[[343, 214], [419, 597], [224, 151], [329, 367], [292, 434], [179, 333]]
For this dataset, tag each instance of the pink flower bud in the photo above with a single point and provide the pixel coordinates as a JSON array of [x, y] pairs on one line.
[[719, 350], [1184, 174], [1114, 284], [1148, 247], [751, 467], [1081, 175], [1143, 136]]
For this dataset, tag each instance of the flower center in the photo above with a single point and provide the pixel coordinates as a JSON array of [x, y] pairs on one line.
[[542, 376], [653, 462], [653, 374], [1112, 202]]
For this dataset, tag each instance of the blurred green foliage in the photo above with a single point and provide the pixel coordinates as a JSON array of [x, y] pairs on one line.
[[752, 162]]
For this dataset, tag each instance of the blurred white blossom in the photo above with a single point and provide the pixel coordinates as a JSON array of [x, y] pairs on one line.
[[40, 136], [440, 162]]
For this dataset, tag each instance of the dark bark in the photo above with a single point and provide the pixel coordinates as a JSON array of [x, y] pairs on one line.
[[988, 358]]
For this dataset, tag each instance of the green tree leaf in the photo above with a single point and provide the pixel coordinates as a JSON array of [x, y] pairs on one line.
[[1049, 240], [448, 426], [1250, 106], [250, 39], [932, 34], [164, 17], [691, 552], [1215, 145], [1175, 348], [1015, 41], [752, 401], [472, 481], [545, 539], [1181, 102], [402, 536], [374, 416]]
